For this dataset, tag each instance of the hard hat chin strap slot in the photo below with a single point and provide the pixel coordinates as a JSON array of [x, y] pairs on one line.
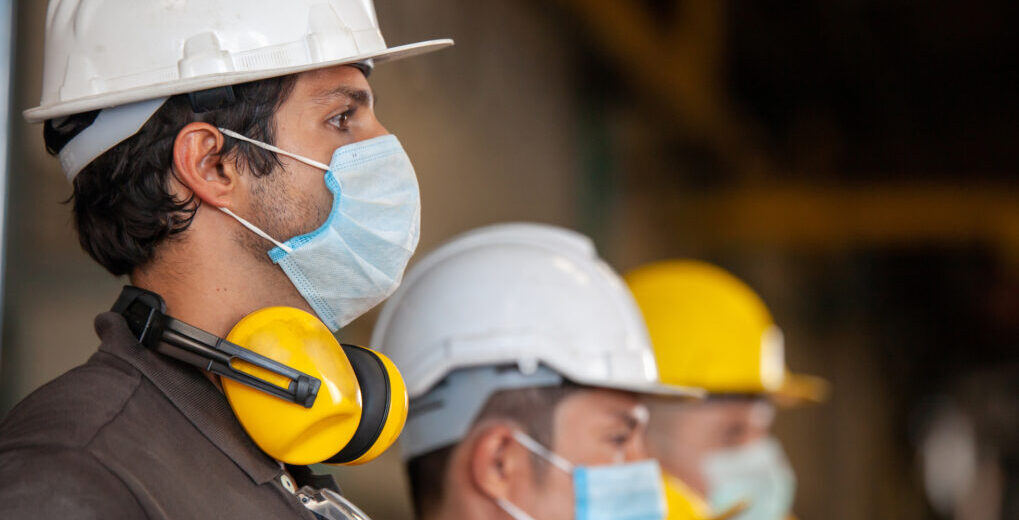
[[145, 315], [212, 99]]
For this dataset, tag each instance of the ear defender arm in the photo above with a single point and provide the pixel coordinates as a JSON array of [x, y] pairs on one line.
[[145, 315]]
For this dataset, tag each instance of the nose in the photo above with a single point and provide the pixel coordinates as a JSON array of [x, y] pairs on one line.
[[373, 129], [636, 449]]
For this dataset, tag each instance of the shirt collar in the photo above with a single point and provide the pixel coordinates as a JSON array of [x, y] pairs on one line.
[[190, 392]]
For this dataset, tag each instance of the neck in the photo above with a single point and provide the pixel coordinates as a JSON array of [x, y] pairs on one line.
[[462, 498], [209, 280], [465, 508]]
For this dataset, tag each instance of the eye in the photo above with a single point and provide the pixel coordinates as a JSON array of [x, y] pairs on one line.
[[619, 440], [341, 120]]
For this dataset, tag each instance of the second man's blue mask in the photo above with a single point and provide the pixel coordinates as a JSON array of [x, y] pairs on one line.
[[631, 491], [357, 257]]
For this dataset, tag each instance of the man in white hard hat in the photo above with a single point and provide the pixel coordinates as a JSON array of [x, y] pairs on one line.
[[225, 157], [524, 356]]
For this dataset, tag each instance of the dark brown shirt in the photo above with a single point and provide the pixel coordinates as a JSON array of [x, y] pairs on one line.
[[133, 434]]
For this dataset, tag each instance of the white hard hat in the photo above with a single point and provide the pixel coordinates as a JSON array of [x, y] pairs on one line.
[[506, 307], [523, 294], [105, 53]]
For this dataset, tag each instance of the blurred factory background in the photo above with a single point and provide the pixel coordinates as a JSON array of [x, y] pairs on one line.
[[855, 161]]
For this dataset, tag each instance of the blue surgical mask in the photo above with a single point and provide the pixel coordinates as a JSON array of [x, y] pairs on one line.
[[757, 475], [356, 258], [631, 491]]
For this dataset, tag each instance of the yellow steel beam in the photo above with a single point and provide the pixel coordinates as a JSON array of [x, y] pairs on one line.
[[838, 216]]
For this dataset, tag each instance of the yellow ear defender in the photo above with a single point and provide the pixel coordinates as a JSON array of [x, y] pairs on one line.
[[302, 396]]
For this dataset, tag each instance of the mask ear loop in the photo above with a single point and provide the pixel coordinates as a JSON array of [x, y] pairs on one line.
[[254, 229], [535, 447], [511, 509], [271, 148], [265, 146]]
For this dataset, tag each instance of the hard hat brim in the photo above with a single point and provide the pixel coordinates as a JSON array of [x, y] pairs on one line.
[[801, 389], [111, 99], [656, 389]]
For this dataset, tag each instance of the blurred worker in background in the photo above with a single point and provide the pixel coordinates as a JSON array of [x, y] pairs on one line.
[[207, 143], [966, 445], [525, 357], [711, 330]]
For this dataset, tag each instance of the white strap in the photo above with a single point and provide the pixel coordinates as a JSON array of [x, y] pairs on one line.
[[511, 509], [554, 458], [110, 128], [257, 231], [271, 148]]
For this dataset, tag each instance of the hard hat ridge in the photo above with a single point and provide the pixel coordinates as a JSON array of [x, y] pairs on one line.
[[104, 53]]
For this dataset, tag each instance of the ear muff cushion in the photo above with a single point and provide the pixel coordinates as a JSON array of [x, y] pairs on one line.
[[375, 395]]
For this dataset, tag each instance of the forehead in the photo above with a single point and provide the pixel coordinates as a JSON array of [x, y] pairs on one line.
[[757, 413], [325, 82], [596, 407]]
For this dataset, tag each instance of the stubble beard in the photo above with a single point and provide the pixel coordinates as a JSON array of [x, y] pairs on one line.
[[283, 214]]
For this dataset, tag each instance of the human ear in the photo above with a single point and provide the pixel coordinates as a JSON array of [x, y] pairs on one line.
[[497, 461], [198, 165]]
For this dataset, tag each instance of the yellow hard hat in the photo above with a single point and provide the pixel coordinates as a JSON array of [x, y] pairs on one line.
[[683, 503], [361, 404], [711, 330]]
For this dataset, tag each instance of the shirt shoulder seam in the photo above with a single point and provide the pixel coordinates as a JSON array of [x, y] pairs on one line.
[[137, 385], [88, 448], [114, 474]]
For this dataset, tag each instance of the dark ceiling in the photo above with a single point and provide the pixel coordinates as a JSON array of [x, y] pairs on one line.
[[886, 87]]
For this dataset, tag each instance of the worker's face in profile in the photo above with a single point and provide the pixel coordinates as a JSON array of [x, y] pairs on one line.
[[591, 427], [326, 109], [683, 434]]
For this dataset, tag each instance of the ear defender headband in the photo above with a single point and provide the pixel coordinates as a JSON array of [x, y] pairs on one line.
[[302, 396]]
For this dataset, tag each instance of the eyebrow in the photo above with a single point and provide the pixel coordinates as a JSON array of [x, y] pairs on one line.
[[628, 418], [359, 96]]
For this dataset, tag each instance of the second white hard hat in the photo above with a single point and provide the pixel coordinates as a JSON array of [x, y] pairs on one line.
[[105, 53], [522, 294]]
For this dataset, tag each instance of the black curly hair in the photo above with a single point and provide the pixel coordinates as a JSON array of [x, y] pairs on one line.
[[122, 205]]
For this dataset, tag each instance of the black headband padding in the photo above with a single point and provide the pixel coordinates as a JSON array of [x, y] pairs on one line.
[[56, 133], [212, 99], [375, 399]]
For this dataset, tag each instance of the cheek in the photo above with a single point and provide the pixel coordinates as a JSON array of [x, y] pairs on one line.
[[553, 496], [322, 201], [310, 203], [682, 448], [289, 204]]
